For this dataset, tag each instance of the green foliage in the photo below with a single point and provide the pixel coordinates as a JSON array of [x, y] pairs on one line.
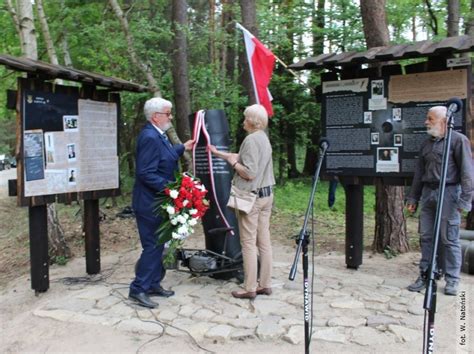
[[389, 252], [293, 198], [60, 260]]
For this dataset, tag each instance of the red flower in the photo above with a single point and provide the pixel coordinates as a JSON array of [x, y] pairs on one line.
[[190, 195]]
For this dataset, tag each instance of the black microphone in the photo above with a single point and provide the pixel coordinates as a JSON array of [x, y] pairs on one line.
[[324, 143], [454, 105]]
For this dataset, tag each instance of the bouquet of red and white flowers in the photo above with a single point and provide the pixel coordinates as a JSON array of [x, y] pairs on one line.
[[181, 205]]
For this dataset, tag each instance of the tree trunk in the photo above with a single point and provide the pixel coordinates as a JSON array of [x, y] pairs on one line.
[[27, 28], [133, 130], [65, 48], [469, 21], [374, 22], [433, 24], [469, 30], [291, 152], [180, 73], [212, 35], [15, 19], [390, 232], [390, 223], [53, 58], [153, 8], [228, 48], [64, 42], [180, 68], [57, 242], [453, 18], [249, 21]]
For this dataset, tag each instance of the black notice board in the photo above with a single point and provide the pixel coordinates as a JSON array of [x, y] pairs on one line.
[[44, 110], [367, 140]]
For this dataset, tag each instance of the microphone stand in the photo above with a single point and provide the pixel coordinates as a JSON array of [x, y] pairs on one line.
[[430, 293], [302, 242]]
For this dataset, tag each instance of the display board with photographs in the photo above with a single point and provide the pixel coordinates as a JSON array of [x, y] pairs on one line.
[[375, 126], [69, 144]]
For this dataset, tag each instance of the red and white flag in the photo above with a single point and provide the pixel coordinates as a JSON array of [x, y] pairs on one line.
[[261, 62]]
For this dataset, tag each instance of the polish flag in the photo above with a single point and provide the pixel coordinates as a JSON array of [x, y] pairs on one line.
[[261, 62]]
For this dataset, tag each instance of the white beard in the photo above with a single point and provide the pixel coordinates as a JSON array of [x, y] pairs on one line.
[[434, 132], [165, 127]]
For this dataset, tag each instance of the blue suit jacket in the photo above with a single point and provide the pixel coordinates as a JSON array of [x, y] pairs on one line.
[[156, 163]]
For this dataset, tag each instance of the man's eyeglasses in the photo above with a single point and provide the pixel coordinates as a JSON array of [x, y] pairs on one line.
[[167, 113]]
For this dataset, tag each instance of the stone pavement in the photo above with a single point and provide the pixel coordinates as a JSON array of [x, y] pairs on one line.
[[367, 310]]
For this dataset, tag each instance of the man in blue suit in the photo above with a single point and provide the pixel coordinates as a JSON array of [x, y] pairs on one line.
[[156, 163]]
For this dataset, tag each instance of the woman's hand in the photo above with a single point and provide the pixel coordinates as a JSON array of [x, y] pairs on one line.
[[232, 158]]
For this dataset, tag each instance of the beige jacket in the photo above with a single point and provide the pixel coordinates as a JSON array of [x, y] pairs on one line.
[[256, 155]]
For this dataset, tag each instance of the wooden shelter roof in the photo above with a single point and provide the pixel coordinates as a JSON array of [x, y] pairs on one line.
[[53, 71], [447, 46]]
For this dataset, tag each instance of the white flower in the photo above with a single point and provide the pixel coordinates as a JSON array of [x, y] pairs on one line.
[[201, 188], [174, 193], [170, 210], [181, 219], [183, 230], [193, 211], [175, 236], [185, 202], [174, 221], [192, 222], [186, 216]]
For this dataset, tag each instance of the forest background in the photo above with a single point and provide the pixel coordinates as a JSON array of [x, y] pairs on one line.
[[191, 53]]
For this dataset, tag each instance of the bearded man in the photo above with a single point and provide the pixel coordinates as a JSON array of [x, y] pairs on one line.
[[457, 197]]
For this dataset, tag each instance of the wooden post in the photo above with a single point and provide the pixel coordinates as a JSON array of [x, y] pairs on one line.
[[39, 259], [91, 221], [354, 224]]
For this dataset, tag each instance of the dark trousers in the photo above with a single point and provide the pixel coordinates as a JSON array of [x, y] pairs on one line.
[[332, 192], [450, 257], [149, 266]]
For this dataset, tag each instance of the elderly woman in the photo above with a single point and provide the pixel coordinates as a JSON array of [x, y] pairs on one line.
[[254, 172]]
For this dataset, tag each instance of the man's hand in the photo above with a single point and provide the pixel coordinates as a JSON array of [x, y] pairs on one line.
[[188, 145], [213, 149], [412, 207]]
